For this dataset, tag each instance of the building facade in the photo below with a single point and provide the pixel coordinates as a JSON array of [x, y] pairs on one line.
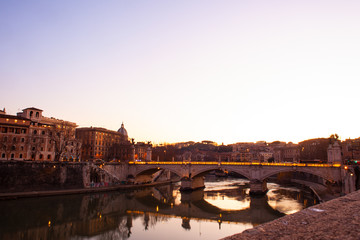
[[31, 136], [351, 150], [314, 150], [14, 133], [287, 153], [107, 145], [251, 152]]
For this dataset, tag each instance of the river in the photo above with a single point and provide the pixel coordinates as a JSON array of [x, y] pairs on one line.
[[223, 208]]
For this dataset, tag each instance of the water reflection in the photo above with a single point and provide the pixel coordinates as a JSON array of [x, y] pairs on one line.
[[222, 209]]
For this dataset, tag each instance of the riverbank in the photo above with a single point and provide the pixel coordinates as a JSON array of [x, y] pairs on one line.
[[16, 195], [336, 219], [322, 193]]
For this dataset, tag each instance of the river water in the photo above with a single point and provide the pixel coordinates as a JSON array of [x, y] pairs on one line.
[[223, 208]]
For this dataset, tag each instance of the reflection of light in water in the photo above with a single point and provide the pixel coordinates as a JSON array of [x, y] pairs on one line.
[[282, 203], [223, 201], [228, 203], [227, 184], [277, 186], [177, 197]]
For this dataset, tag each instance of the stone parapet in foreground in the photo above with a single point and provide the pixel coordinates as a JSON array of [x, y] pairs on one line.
[[335, 219]]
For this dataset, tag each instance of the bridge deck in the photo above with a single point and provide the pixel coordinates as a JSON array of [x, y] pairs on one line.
[[238, 164]]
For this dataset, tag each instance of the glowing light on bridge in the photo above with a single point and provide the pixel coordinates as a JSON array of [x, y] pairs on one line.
[[239, 164]]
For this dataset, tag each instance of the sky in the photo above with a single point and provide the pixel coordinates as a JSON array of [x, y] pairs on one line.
[[174, 71]]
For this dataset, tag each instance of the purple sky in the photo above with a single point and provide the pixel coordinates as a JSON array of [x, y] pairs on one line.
[[226, 71]]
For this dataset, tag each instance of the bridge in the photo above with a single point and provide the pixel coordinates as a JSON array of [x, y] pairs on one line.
[[191, 173]]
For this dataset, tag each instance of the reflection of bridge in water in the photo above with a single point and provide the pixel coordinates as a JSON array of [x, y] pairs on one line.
[[90, 215], [193, 205]]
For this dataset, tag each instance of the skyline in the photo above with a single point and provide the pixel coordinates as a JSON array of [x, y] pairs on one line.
[[174, 72], [161, 143]]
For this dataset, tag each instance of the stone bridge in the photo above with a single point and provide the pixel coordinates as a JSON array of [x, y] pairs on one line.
[[191, 173]]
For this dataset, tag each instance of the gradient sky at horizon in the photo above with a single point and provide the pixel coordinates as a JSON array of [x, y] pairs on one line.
[[172, 71]]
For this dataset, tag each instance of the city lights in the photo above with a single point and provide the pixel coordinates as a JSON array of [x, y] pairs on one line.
[[336, 165]]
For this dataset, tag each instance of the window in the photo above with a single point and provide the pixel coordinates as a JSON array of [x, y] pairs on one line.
[[13, 148], [21, 156], [12, 156], [3, 155], [37, 114], [31, 113], [43, 132], [49, 156], [22, 139], [23, 131], [4, 129], [41, 156], [35, 132], [22, 148]]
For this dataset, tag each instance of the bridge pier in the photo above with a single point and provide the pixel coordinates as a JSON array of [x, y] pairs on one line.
[[258, 187], [191, 184], [193, 196], [348, 182]]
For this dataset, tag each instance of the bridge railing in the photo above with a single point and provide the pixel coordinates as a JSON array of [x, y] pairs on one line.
[[237, 164]]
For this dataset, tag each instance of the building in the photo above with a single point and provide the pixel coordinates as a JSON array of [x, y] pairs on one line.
[[108, 145], [351, 150], [314, 150], [286, 153], [104, 144], [265, 156], [249, 152], [241, 152], [31, 136], [143, 151], [14, 132]]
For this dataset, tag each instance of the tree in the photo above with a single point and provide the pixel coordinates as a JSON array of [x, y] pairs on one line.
[[61, 135], [8, 145], [76, 149]]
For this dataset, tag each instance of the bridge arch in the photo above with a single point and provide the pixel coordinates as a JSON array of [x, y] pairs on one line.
[[323, 174], [145, 168], [210, 168], [241, 172], [203, 170]]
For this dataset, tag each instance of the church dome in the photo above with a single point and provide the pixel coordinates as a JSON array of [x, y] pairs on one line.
[[123, 131]]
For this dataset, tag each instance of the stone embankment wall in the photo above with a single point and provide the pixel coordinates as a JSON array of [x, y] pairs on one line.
[[24, 176], [335, 219], [18, 176]]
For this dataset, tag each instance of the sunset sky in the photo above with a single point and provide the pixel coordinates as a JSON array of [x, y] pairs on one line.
[[172, 71]]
